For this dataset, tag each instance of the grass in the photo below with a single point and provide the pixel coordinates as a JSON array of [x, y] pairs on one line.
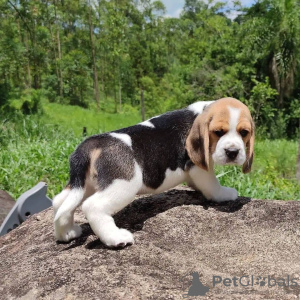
[[36, 148], [273, 172], [95, 122]]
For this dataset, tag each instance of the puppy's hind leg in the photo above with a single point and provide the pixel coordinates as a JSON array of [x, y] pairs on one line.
[[69, 199], [64, 227], [57, 202], [100, 207], [60, 198]]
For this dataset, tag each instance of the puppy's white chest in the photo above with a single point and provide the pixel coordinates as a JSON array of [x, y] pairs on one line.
[[172, 178]]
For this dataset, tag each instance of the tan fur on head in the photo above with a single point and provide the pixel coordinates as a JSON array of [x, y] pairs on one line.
[[250, 151], [197, 143], [203, 138]]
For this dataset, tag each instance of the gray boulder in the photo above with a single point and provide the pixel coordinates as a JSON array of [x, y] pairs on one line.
[[182, 240]]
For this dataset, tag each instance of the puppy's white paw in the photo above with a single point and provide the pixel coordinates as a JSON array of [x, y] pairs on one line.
[[225, 194], [67, 235], [120, 238]]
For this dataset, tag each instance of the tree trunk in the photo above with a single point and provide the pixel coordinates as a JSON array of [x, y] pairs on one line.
[[142, 105], [298, 163], [35, 57], [54, 50], [281, 96], [61, 83], [18, 66], [115, 98], [102, 77], [96, 85], [35, 76], [120, 95], [28, 83], [28, 75]]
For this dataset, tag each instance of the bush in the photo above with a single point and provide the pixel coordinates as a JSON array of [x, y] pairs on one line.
[[32, 102], [4, 95]]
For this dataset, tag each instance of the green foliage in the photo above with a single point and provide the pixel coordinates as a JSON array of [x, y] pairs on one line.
[[76, 74], [4, 95], [101, 55], [86, 51], [50, 85], [37, 147], [31, 102], [34, 151], [262, 106], [261, 101]]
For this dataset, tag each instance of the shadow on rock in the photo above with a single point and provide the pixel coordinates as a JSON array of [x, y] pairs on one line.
[[134, 215]]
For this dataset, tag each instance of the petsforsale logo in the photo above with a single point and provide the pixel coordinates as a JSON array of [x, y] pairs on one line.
[[254, 280], [192, 286], [196, 289]]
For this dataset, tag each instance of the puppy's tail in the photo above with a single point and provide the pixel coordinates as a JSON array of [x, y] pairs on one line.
[[60, 198], [79, 164]]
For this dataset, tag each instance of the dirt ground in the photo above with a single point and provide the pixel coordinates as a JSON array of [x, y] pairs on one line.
[[247, 249]]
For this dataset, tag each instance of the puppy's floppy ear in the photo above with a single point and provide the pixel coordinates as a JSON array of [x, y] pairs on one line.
[[249, 152], [197, 143]]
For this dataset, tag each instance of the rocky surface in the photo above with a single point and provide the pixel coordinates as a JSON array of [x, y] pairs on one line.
[[179, 235], [6, 204]]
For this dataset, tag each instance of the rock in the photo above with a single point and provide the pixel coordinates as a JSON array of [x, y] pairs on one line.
[[180, 239], [6, 204]]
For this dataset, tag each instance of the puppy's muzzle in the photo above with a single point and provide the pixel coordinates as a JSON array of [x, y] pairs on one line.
[[232, 153]]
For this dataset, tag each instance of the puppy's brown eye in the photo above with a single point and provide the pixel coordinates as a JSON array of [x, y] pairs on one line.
[[219, 133], [244, 132]]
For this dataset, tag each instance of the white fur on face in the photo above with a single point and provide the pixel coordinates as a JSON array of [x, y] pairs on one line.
[[199, 106], [231, 140], [147, 123], [123, 137]]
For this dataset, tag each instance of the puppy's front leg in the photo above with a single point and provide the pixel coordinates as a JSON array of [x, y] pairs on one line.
[[208, 184]]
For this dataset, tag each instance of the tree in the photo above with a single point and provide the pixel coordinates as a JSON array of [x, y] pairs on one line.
[[91, 27], [298, 163], [276, 24]]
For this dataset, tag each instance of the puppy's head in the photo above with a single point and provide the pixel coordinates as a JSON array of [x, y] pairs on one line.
[[223, 133]]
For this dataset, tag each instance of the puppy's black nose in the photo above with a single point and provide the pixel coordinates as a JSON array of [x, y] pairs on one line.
[[232, 153]]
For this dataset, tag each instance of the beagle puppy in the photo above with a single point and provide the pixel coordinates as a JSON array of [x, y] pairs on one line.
[[108, 170]]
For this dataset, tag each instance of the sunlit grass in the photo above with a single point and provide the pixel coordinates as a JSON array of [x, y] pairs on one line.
[[273, 174], [75, 118]]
